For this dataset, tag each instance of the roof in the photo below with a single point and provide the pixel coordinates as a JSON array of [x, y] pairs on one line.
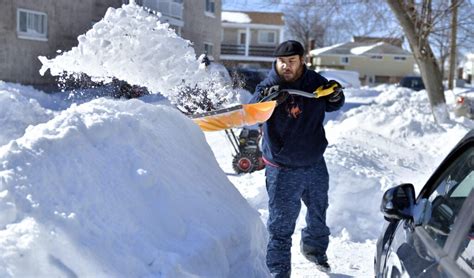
[[267, 18], [394, 41], [360, 48]]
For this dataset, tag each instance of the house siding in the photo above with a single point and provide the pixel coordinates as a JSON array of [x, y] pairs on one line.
[[201, 28]]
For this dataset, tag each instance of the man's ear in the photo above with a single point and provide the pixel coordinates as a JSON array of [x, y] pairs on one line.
[[302, 59]]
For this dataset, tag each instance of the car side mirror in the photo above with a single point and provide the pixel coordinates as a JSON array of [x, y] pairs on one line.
[[398, 202]]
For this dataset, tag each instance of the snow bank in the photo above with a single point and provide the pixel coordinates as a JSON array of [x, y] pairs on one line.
[[121, 189], [388, 141], [18, 111], [131, 44]]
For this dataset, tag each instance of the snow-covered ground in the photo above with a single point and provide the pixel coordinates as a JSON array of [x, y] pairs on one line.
[[113, 187], [103, 187]]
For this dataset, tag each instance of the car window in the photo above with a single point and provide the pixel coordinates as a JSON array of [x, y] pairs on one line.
[[446, 200], [465, 260]]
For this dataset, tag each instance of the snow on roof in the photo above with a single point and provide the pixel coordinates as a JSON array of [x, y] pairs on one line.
[[362, 49], [317, 51], [236, 17]]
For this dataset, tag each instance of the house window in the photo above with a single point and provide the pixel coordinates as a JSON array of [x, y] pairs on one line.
[[267, 37], [32, 24], [376, 57], [399, 58], [242, 37], [208, 48], [344, 60], [210, 7]]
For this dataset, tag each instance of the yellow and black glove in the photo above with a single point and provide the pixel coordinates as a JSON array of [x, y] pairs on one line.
[[332, 89]]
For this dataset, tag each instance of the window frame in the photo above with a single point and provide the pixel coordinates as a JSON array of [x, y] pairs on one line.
[[260, 34], [211, 12], [212, 49], [343, 62], [399, 58], [31, 35], [239, 34]]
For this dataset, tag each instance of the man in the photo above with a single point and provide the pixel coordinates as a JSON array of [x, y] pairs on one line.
[[293, 145]]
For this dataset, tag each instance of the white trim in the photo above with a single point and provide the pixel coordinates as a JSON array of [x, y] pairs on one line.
[[247, 41], [32, 38], [247, 58], [260, 32], [27, 35], [209, 14]]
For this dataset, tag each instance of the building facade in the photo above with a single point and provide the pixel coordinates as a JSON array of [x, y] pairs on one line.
[[376, 61], [249, 38], [202, 26]]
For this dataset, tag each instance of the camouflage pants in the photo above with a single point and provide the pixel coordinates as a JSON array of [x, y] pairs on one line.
[[286, 188]]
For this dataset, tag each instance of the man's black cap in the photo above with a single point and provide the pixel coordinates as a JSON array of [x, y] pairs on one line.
[[289, 48]]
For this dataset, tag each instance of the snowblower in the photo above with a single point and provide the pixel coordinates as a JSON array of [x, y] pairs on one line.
[[248, 157]]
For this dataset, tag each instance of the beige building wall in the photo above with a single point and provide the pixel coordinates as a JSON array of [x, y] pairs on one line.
[[65, 21], [387, 67], [200, 27]]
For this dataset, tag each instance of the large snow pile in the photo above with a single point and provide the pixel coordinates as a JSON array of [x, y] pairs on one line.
[[131, 44], [120, 189]]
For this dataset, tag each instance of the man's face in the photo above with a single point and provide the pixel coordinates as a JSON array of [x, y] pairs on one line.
[[290, 68]]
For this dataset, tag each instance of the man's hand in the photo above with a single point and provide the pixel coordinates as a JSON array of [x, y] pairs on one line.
[[270, 90], [337, 94]]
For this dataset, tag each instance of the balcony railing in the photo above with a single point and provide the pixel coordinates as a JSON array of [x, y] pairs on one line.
[[171, 8], [254, 50]]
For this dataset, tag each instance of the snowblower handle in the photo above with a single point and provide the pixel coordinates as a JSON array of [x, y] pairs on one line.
[[322, 91]]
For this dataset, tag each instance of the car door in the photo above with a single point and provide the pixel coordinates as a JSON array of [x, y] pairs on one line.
[[430, 244]]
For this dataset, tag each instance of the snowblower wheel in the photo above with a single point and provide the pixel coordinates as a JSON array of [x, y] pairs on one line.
[[245, 162]]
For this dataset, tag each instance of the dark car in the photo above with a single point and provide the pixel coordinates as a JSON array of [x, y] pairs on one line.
[[412, 82], [431, 235], [247, 78]]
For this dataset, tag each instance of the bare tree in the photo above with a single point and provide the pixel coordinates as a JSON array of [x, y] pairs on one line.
[[452, 52], [417, 23], [306, 24]]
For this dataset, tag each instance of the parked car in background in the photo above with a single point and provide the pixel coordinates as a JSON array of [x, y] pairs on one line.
[[464, 106], [247, 78], [412, 82], [431, 235]]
